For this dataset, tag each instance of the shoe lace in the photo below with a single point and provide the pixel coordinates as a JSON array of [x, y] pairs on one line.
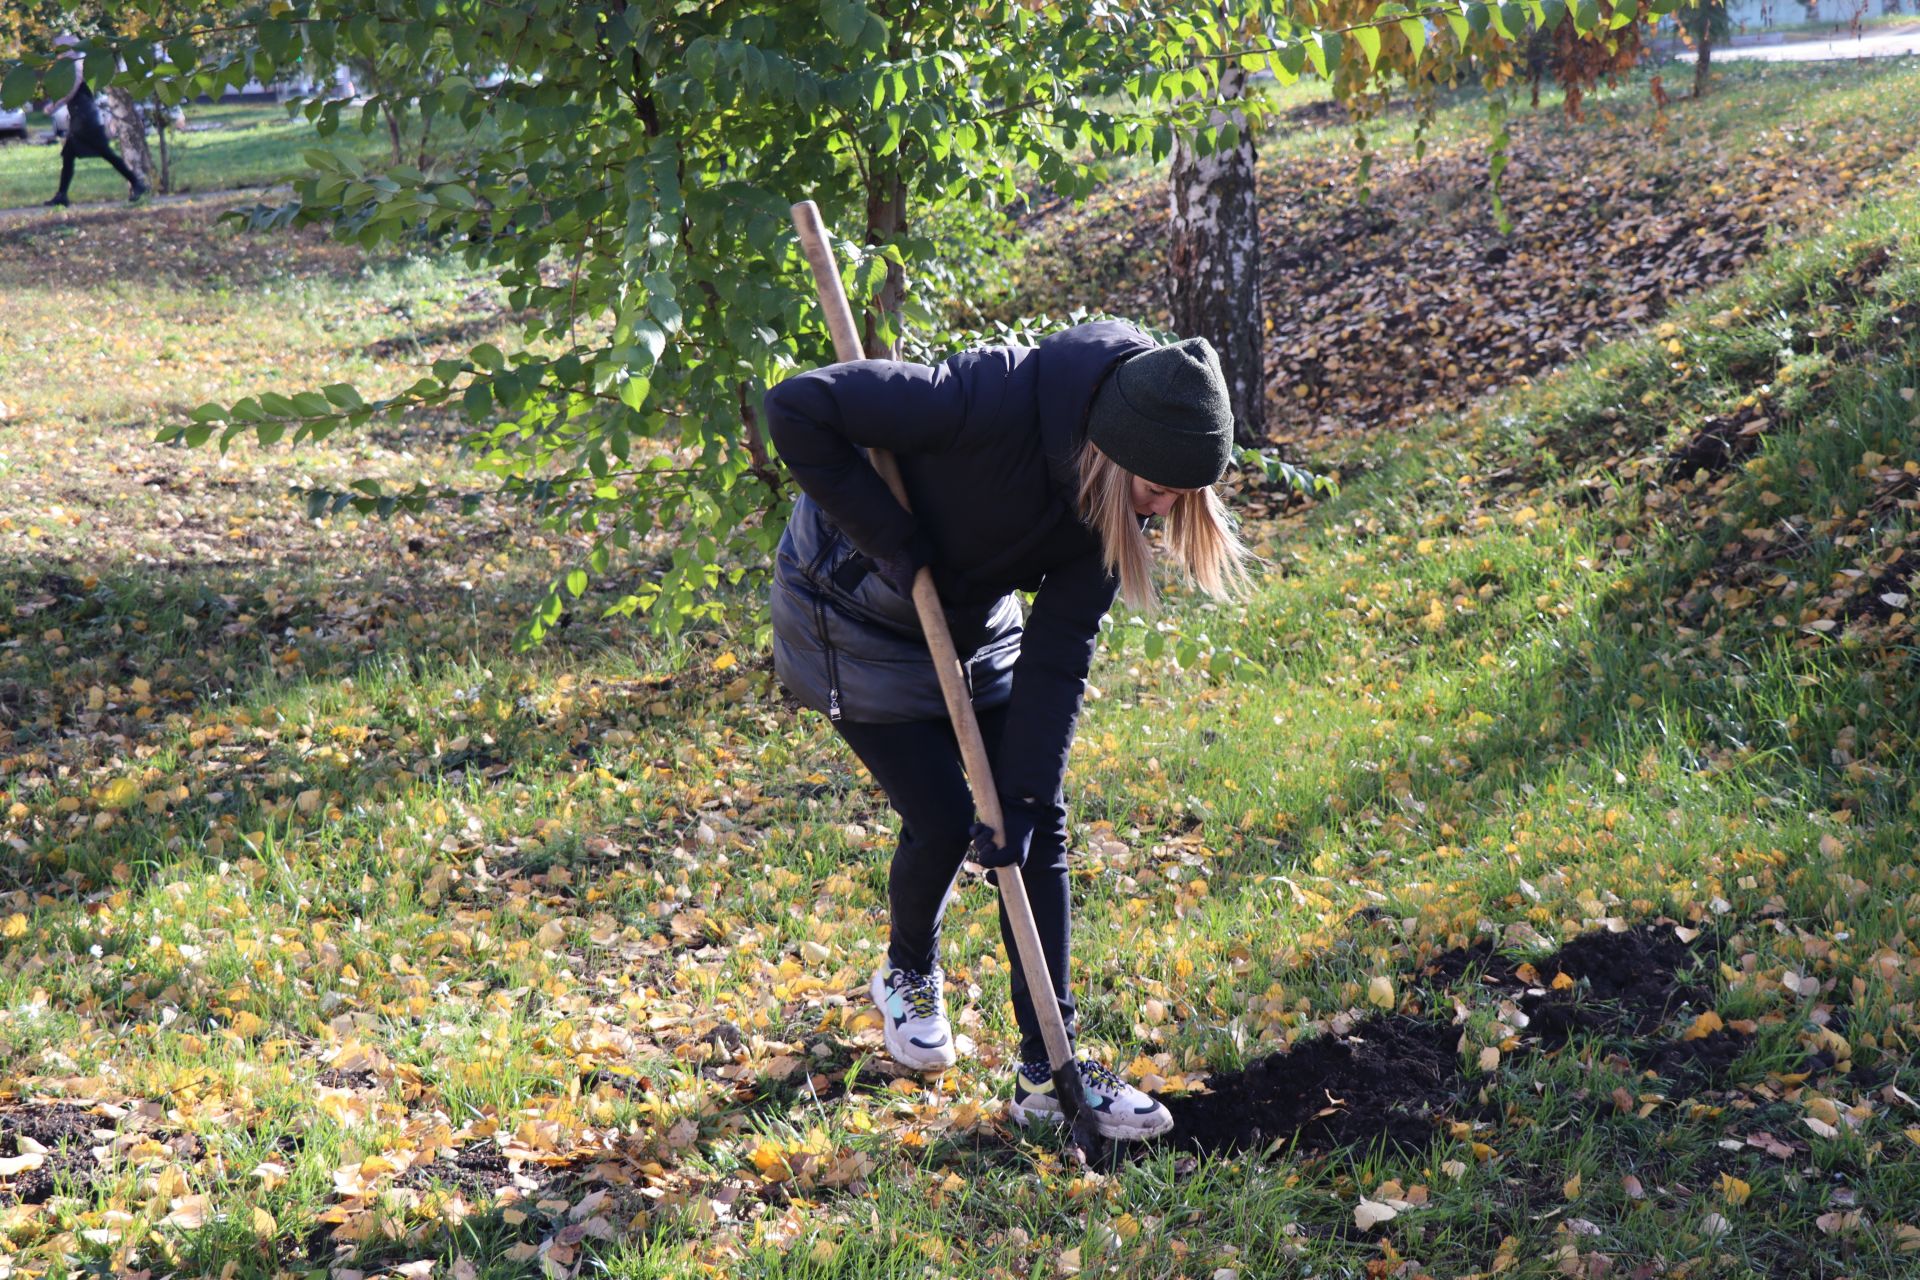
[[921, 991], [1095, 1075]]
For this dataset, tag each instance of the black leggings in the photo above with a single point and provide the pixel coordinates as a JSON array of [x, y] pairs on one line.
[[917, 763], [75, 149]]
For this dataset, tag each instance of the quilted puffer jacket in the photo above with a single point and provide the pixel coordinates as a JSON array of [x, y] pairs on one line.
[[987, 442]]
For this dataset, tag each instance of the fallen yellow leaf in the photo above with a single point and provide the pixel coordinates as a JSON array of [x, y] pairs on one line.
[[1704, 1025]]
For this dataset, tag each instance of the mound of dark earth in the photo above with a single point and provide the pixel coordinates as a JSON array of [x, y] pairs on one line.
[[1392, 1078], [64, 1133]]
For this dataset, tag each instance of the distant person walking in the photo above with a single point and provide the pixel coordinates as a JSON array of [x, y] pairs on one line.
[[86, 133]]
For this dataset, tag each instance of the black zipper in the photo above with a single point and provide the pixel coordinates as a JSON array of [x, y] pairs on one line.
[[833, 660]]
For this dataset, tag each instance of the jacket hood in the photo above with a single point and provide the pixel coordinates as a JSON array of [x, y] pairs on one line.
[[1070, 367]]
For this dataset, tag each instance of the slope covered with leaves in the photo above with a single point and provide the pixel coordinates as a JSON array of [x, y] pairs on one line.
[[1385, 313], [1560, 848]]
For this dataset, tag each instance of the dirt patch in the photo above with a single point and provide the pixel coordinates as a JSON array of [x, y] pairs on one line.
[[477, 1170], [65, 1132], [1388, 1080], [1392, 1079], [1482, 958], [1625, 982], [334, 1078], [1716, 446], [1879, 595]]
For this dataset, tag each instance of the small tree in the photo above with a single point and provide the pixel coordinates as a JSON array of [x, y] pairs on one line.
[[1705, 25], [628, 183]]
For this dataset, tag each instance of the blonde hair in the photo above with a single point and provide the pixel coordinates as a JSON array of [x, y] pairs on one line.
[[1200, 536]]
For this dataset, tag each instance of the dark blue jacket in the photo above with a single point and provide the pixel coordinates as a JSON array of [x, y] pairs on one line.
[[987, 442]]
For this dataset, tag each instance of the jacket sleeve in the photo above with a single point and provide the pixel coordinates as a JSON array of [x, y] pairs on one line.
[[1050, 679], [820, 420]]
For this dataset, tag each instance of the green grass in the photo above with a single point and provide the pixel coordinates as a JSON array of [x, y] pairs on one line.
[[279, 800], [255, 145]]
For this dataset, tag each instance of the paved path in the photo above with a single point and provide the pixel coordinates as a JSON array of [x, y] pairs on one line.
[[24, 212], [1892, 44]]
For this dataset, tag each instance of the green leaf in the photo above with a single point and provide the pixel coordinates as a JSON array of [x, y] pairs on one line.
[[1368, 38], [652, 342], [1586, 16], [845, 19], [1293, 60], [19, 85], [1317, 55], [477, 403], [633, 392], [59, 79], [1335, 46], [1510, 20], [577, 582], [1416, 33]]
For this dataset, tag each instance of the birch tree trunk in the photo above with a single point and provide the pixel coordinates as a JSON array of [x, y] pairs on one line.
[[125, 129], [1213, 258]]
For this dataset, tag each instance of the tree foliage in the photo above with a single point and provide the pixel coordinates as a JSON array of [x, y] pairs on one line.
[[625, 174]]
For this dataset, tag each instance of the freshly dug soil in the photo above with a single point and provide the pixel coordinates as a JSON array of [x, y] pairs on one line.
[[1631, 982], [1392, 1078], [478, 1169], [1387, 1080], [67, 1134]]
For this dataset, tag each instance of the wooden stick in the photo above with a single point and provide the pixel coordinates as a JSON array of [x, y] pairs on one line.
[[946, 662]]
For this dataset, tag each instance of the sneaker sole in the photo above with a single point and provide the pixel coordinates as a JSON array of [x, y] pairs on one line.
[[901, 1050], [1150, 1126]]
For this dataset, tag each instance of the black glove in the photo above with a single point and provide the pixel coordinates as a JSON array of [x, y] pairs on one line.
[[899, 569], [1011, 854]]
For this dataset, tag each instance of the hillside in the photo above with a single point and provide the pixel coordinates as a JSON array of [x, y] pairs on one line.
[[1520, 882]]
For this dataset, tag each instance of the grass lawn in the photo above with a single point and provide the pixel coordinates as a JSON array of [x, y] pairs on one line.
[[1550, 805], [253, 145]]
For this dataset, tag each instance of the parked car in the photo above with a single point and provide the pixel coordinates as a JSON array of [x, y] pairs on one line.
[[13, 124]]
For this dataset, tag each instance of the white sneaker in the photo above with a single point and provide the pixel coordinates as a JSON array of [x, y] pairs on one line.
[[1120, 1112], [913, 1017]]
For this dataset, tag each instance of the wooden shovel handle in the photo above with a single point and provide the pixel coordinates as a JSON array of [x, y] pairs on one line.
[[946, 662]]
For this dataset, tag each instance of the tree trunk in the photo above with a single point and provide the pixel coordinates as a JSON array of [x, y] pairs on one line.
[[1213, 259], [165, 184], [1702, 61], [124, 129], [886, 221], [393, 131]]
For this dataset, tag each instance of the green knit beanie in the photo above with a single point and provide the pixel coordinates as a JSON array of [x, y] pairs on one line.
[[1164, 416]]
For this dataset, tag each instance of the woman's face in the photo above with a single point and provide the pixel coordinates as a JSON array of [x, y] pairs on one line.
[[1155, 499]]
